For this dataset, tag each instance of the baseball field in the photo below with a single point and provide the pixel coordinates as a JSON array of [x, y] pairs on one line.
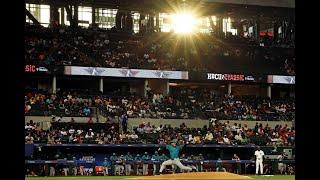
[[181, 176]]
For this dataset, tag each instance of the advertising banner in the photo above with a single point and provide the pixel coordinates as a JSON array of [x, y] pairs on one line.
[[31, 68], [225, 77], [130, 73], [210, 76], [281, 79]]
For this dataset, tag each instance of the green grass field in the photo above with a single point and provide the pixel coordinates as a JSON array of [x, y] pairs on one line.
[[129, 177]]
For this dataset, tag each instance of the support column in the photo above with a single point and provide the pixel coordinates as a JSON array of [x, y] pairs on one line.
[[151, 22], [220, 27], [142, 26], [101, 85], [93, 15], [257, 29], [229, 88], [54, 84], [145, 87], [75, 16], [269, 91], [54, 15], [157, 22], [168, 87], [62, 16], [129, 22], [275, 31]]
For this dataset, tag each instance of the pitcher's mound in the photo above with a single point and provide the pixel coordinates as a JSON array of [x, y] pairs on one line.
[[194, 175]]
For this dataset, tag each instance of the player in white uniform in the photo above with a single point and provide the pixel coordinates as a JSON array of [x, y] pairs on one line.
[[259, 159]]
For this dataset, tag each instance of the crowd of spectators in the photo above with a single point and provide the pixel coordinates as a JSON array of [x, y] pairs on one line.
[[65, 46], [145, 133], [66, 104], [182, 104], [219, 133]]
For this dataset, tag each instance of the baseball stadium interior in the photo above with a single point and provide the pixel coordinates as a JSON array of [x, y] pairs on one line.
[[115, 87]]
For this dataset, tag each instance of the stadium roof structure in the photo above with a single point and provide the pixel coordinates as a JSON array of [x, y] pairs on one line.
[[208, 6], [268, 3], [265, 10]]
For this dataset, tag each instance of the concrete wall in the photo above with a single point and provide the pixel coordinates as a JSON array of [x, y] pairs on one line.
[[159, 85], [134, 122], [137, 87], [240, 90], [193, 123], [251, 124], [48, 119]]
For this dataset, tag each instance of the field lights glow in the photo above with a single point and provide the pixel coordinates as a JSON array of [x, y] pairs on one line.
[[183, 23]]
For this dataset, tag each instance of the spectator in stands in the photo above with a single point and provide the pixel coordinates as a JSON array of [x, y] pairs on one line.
[[124, 122], [63, 132], [148, 128], [89, 134], [86, 111], [29, 139], [29, 127], [71, 130], [226, 140], [90, 121], [209, 137], [60, 119]]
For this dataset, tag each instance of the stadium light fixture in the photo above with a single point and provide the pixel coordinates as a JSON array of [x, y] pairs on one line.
[[183, 22]]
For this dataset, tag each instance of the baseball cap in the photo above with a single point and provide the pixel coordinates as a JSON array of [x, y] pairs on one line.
[[174, 141]]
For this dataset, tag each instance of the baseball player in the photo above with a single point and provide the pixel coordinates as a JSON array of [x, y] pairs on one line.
[[281, 166], [138, 162], [116, 162], [219, 166], [120, 164], [156, 159], [259, 159], [145, 158], [128, 158], [174, 150], [52, 170], [163, 157], [236, 166], [106, 165], [189, 161]]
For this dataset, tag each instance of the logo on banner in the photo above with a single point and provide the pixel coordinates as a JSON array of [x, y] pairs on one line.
[[128, 72], [33, 68], [249, 78], [290, 79], [120, 72], [226, 77], [93, 71], [281, 79], [162, 74]]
